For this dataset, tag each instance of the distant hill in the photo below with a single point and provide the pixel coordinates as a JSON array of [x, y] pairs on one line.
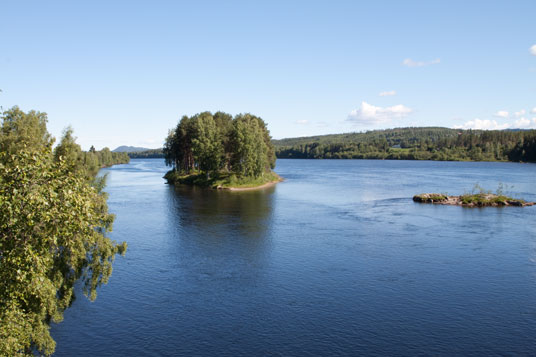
[[422, 143], [124, 148]]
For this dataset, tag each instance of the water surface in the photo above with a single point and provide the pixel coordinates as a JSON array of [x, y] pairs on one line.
[[336, 260]]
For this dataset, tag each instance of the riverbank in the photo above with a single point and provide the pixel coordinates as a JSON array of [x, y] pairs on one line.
[[224, 181], [471, 200]]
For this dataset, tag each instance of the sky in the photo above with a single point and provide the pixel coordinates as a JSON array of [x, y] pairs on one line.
[[123, 73]]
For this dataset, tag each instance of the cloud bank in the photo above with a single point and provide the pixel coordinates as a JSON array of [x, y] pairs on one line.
[[487, 124], [369, 114], [533, 50]]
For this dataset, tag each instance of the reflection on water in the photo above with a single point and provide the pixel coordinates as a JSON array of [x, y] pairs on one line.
[[336, 260], [220, 211], [230, 229]]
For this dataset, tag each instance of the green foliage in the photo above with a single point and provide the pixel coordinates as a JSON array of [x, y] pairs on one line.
[[479, 196], [249, 150], [220, 179], [24, 130], [147, 154], [88, 163], [218, 144], [430, 197], [415, 144], [52, 232], [487, 199], [207, 146], [482, 198]]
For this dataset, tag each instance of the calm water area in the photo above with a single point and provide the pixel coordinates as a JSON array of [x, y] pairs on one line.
[[335, 260]]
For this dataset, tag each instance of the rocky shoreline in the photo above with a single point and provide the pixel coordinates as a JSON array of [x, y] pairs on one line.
[[471, 200]]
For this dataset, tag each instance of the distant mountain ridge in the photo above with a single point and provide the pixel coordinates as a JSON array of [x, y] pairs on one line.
[[124, 148]]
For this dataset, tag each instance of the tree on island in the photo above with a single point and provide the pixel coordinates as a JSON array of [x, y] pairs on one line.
[[207, 143], [218, 144]]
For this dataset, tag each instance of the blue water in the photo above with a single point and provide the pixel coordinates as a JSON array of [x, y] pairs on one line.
[[335, 260]]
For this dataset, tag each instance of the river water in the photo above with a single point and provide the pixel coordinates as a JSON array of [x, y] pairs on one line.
[[335, 260]]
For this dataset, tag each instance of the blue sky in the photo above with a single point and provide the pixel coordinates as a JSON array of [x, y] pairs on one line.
[[125, 72]]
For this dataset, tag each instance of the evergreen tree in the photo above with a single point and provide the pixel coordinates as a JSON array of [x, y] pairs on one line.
[[249, 149], [216, 143], [207, 145]]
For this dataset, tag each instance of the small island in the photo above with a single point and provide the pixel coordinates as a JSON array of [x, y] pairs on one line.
[[482, 199], [221, 152]]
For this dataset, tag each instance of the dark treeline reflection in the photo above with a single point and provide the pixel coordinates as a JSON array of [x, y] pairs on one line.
[[233, 227]]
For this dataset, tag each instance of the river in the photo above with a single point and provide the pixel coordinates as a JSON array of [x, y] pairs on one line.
[[335, 260]]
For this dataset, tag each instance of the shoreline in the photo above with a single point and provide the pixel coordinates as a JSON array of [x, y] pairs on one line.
[[260, 187], [223, 183]]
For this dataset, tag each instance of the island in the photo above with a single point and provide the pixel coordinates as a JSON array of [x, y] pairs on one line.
[[483, 199], [221, 152]]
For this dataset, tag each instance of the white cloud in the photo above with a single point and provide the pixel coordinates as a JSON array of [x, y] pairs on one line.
[[485, 124], [411, 63], [533, 111], [520, 113], [501, 114], [533, 50], [302, 122], [522, 123], [387, 93], [369, 114]]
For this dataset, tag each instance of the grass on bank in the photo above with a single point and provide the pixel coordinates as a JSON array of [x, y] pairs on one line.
[[486, 199], [482, 197], [220, 180], [478, 197]]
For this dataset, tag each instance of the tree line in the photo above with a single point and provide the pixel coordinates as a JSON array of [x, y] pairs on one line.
[[147, 154], [415, 144], [212, 143], [53, 225]]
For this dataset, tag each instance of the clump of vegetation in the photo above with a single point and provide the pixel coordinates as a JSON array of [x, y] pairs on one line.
[[221, 180], [217, 150], [481, 197], [53, 226], [484, 199], [430, 197], [477, 198]]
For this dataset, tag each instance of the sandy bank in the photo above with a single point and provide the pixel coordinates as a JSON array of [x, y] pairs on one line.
[[263, 186]]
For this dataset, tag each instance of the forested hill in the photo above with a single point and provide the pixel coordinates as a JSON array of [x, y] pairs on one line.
[[428, 143], [147, 154]]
